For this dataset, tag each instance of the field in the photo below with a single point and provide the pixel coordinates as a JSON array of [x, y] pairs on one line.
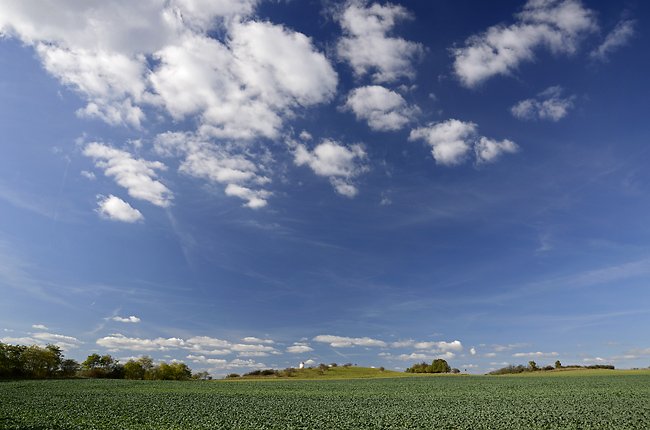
[[581, 401]]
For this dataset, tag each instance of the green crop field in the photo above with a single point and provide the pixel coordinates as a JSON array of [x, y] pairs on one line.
[[603, 401]]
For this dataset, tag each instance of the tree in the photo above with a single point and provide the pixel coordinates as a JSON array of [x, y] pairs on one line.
[[69, 367], [533, 366], [103, 366], [558, 365]]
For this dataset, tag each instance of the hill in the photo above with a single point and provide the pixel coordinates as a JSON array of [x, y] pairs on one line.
[[339, 372]]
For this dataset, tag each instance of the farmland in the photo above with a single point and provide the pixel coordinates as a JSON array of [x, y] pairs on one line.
[[588, 401]]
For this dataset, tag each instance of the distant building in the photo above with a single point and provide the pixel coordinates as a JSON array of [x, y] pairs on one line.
[[302, 365]]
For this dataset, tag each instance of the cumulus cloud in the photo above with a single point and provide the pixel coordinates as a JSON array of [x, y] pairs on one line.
[[559, 25], [252, 339], [547, 105], [299, 349], [536, 354], [89, 175], [619, 37], [130, 319], [455, 346], [452, 140], [199, 345], [40, 327], [348, 342], [333, 160], [138, 176], [119, 341], [383, 109], [488, 150], [227, 164], [240, 90], [367, 46], [448, 355], [116, 209], [131, 60]]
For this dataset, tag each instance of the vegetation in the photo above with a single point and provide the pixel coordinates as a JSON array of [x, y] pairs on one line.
[[319, 373], [20, 361], [617, 401], [438, 366], [34, 362], [532, 367]]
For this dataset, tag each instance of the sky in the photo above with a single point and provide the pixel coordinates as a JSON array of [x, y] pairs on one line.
[[248, 184]]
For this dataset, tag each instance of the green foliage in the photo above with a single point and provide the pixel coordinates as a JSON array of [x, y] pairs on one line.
[[533, 366], [20, 361], [467, 402], [438, 366], [558, 365]]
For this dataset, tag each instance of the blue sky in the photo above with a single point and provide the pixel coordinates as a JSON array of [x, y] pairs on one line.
[[244, 184]]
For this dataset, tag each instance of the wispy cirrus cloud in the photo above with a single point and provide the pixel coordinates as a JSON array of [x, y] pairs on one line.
[[617, 38]]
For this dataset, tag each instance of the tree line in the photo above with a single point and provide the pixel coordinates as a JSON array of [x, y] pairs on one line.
[[21, 361], [438, 366], [533, 367]]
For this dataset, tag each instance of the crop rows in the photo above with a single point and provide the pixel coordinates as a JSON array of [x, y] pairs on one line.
[[461, 402]]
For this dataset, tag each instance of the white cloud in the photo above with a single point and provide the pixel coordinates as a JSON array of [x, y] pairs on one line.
[[89, 175], [448, 355], [455, 346], [452, 140], [252, 339], [472, 351], [547, 105], [536, 354], [55, 337], [119, 341], [559, 25], [130, 319], [245, 349], [402, 343], [500, 348], [132, 58], [368, 47], [638, 351], [624, 357], [256, 198], [40, 327], [205, 341], [488, 150], [383, 109], [136, 175], [619, 37], [299, 349], [333, 160], [116, 209], [348, 342], [219, 163], [240, 90]]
